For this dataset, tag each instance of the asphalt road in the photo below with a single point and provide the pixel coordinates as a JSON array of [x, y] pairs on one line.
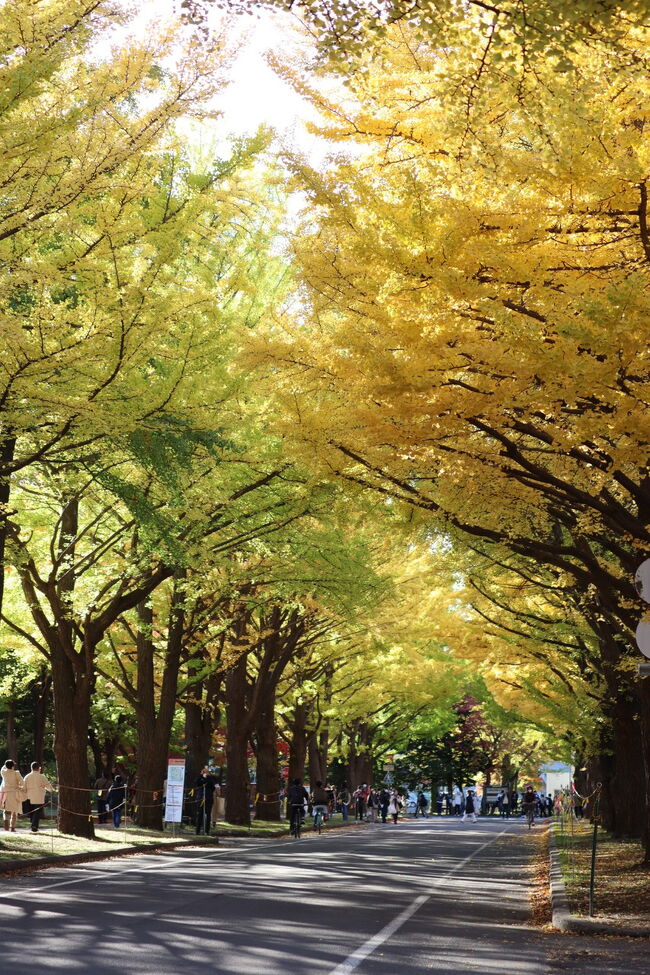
[[425, 896]]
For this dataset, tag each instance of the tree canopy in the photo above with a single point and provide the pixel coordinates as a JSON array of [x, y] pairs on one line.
[[353, 454]]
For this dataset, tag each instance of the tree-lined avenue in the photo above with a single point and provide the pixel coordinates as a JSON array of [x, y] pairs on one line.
[[434, 895]]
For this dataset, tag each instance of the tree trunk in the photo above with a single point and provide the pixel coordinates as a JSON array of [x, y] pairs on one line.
[[72, 693], [298, 743], [246, 699], [202, 714], [104, 751], [154, 723], [359, 758], [268, 768], [198, 735], [73, 676], [7, 450], [96, 749], [644, 708], [41, 695], [237, 778], [152, 771], [360, 771], [622, 766], [317, 766], [12, 741]]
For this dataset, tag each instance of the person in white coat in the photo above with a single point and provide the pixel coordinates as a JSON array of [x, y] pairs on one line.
[[36, 785], [457, 800], [12, 793]]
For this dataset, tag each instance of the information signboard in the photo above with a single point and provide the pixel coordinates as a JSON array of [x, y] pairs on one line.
[[492, 792], [174, 793]]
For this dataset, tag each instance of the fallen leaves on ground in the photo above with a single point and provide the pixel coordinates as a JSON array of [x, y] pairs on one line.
[[622, 879]]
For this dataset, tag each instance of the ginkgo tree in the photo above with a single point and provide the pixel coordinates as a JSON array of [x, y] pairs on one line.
[[344, 30], [89, 223], [102, 513], [475, 287]]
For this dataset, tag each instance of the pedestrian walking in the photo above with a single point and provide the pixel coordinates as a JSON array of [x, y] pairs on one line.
[[12, 792], [204, 794], [36, 785], [117, 800], [219, 805], [332, 800], [344, 798], [470, 806], [360, 802], [384, 801], [371, 806], [102, 785], [394, 805]]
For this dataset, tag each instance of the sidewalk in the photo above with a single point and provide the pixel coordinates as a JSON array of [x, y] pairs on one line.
[[564, 920]]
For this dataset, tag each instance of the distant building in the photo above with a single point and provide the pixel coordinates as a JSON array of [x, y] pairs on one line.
[[556, 776]]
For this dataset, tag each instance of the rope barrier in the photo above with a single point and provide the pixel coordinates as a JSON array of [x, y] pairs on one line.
[[76, 788], [591, 795], [190, 797], [268, 797]]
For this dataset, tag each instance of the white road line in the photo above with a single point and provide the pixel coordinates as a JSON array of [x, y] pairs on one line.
[[365, 950]]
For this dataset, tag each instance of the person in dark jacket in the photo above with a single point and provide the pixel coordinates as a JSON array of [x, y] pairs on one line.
[[384, 799], [116, 799], [421, 804], [471, 805], [204, 793], [297, 796]]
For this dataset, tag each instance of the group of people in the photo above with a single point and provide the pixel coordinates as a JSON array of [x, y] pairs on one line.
[[365, 803], [466, 802], [22, 795], [373, 804], [27, 795], [369, 803]]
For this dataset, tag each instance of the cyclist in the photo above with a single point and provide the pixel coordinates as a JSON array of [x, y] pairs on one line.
[[296, 798], [528, 803], [320, 801]]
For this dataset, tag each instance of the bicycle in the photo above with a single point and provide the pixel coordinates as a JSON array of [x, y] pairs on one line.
[[318, 818], [530, 814], [296, 821]]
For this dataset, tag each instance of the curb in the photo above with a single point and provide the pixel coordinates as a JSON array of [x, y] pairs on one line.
[[564, 920]]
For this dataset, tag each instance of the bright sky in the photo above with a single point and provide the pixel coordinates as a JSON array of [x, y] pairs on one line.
[[256, 95]]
